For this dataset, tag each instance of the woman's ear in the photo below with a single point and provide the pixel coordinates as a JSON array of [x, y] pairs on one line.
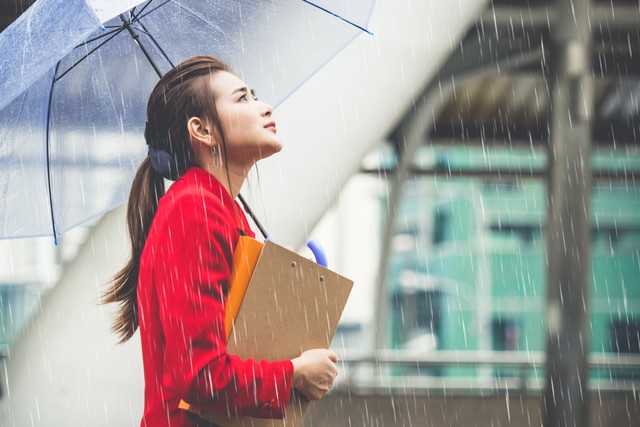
[[200, 132]]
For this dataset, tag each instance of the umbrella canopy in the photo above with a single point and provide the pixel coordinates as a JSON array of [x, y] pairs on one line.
[[75, 78]]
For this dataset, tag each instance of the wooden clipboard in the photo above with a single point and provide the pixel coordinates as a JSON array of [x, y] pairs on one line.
[[279, 305]]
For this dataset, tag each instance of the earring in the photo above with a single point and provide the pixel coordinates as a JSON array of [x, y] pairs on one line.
[[216, 156]]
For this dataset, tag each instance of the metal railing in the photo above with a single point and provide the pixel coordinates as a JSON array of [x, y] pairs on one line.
[[406, 371]]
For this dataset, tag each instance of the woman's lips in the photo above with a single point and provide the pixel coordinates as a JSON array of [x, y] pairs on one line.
[[271, 125]]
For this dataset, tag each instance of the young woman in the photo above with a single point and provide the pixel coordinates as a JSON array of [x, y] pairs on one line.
[[205, 131]]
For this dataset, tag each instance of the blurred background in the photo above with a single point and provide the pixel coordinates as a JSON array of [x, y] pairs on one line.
[[474, 167]]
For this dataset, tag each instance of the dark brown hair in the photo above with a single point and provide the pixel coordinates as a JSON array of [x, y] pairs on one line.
[[183, 92]]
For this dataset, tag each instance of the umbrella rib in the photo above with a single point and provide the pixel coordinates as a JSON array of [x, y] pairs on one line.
[[148, 33], [150, 11], [136, 15], [108, 33], [338, 16], [47, 139], [87, 54]]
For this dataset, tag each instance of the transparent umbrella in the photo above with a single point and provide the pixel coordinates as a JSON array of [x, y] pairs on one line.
[[75, 77]]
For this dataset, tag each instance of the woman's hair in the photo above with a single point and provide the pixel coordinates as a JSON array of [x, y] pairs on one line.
[[183, 92]]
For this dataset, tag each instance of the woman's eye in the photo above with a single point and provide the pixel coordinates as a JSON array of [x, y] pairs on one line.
[[245, 97]]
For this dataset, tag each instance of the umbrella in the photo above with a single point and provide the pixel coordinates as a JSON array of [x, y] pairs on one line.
[[75, 77]]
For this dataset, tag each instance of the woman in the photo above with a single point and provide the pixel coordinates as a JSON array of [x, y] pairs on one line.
[[205, 130]]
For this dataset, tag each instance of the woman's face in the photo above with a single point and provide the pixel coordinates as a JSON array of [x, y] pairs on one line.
[[249, 131]]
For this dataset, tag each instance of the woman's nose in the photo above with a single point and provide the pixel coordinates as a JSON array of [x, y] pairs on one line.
[[267, 109]]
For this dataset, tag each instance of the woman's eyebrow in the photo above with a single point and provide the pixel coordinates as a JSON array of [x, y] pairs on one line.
[[240, 89]]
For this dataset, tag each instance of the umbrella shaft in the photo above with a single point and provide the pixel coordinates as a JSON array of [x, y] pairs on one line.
[[136, 39]]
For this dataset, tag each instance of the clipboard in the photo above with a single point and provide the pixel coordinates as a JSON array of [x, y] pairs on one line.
[[279, 305]]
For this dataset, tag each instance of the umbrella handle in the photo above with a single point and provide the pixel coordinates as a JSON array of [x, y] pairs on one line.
[[318, 252]]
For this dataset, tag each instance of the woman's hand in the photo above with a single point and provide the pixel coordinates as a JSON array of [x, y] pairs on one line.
[[314, 372]]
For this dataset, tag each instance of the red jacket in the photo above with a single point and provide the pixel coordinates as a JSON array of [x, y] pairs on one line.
[[182, 288]]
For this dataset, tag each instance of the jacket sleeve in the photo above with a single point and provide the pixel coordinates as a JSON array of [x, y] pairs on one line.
[[192, 276]]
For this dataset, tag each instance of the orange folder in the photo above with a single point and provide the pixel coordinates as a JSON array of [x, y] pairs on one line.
[[245, 258], [276, 293]]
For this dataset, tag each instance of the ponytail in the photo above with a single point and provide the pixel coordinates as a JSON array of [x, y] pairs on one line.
[[146, 190]]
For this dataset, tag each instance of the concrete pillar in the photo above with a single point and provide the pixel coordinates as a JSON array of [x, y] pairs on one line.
[[568, 231]]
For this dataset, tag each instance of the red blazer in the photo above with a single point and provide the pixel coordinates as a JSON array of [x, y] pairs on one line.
[[182, 289]]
